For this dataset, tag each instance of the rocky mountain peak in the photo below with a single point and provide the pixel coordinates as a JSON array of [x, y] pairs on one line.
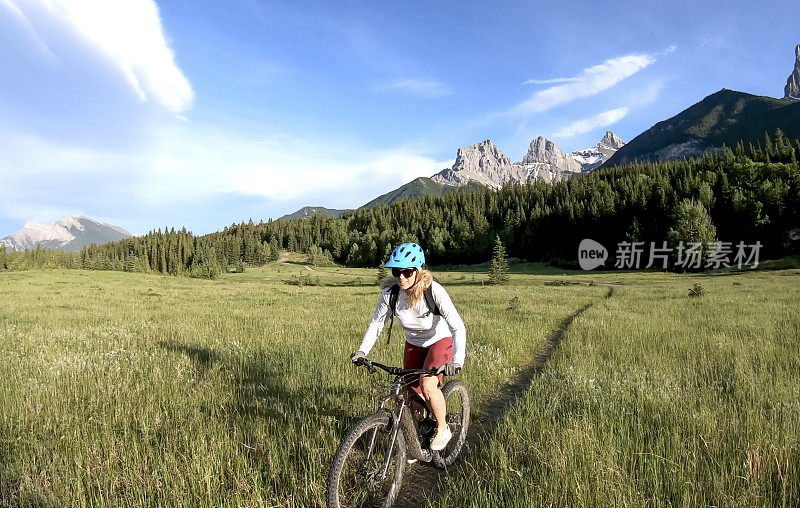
[[594, 157], [483, 163], [544, 151], [70, 234], [611, 140], [792, 88]]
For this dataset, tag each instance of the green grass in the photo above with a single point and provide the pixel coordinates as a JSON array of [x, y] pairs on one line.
[[131, 389], [655, 398]]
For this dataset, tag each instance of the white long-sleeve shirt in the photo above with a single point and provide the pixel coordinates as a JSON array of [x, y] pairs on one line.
[[422, 327]]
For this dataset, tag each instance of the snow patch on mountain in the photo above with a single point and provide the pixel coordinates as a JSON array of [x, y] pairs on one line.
[[594, 157]]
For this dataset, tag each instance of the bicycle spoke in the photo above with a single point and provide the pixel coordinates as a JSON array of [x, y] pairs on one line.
[[362, 482]]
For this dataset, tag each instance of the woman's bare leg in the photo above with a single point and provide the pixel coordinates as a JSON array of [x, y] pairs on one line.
[[435, 399]]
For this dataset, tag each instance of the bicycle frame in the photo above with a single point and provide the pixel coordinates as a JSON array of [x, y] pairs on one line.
[[401, 420]]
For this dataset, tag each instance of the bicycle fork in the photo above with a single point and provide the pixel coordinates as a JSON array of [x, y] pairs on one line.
[[395, 429]]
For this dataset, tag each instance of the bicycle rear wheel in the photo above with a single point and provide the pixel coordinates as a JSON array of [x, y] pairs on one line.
[[356, 476], [457, 400]]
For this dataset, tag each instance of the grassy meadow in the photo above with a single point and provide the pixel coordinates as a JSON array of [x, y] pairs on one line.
[[128, 389]]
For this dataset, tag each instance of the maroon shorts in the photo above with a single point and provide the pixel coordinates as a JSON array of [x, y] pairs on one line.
[[416, 357]]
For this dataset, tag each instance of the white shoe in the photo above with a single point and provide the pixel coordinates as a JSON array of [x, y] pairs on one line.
[[410, 461], [441, 439]]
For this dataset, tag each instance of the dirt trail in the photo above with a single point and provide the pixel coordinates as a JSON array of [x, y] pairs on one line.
[[285, 259], [421, 481]]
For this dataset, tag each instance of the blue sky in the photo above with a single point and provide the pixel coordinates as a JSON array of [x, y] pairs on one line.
[[181, 113]]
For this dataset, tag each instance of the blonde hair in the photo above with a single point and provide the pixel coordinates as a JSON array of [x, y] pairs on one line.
[[423, 282]]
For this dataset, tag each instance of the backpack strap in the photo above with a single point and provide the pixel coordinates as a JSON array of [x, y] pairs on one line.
[[428, 294], [393, 294]]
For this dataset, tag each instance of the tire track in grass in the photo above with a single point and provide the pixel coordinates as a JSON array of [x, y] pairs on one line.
[[422, 481]]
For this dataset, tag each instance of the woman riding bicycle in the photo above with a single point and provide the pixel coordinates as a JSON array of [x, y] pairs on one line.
[[432, 341]]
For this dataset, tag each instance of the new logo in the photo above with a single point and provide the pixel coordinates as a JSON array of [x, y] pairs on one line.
[[591, 254]]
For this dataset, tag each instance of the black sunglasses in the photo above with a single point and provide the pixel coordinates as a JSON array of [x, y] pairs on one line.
[[407, 273]]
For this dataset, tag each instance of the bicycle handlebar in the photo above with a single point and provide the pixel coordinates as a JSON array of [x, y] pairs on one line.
[[395, 371]]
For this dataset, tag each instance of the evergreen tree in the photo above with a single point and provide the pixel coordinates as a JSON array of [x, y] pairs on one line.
[[498, 271], [274, 249], [383, 272], [316, 257], [634, 233], [131, 264], [692, 224], [353, 257]]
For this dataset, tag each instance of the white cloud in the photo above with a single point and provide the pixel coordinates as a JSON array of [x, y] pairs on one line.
[[550, 81], [45, 180], [419, 87], [280, 168], [645, 95], [589, 124], [31, 32], [127, 32], [190, 171], [591, 81]]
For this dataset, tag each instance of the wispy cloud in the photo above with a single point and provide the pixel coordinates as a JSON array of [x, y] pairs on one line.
[[550, 81], [589, 124], [191, 166], [645, 95], [590, 82], [418, 87], [22, 20], [197, 164], [129, 34]]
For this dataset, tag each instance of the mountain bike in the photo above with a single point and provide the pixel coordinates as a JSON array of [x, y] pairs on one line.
[[368, 467]]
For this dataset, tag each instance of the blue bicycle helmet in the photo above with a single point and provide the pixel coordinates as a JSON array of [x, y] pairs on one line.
[[407, 255]]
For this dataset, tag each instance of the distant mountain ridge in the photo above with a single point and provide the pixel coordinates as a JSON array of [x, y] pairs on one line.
[[723, 118], [485, 165], [417, 187], [68, 234], [309, 211]]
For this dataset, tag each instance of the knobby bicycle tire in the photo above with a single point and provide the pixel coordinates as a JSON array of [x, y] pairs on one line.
[[339, 494], [460, 421]]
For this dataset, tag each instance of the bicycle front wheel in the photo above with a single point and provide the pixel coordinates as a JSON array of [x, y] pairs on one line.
[[357, 475], [457, 400]]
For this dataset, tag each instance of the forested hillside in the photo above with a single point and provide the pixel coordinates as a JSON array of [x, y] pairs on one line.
[[751, 194], [723, 118]]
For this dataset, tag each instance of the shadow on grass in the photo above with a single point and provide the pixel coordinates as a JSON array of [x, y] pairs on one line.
[[330, 284], [423, 481], [14, 493], [270, 386], [264, 377], [202, 356]]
